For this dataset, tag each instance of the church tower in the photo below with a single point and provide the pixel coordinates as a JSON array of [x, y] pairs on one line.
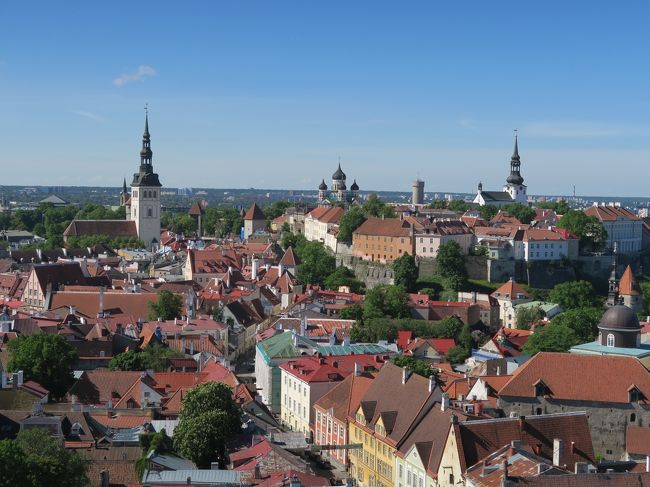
[[124, 196], [515, 186], [145, 195]]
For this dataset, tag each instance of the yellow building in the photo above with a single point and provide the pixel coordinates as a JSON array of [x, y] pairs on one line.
[[388, 411]]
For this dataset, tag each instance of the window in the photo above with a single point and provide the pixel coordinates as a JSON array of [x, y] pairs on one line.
[[610, 340], [149, 212], [632, 418]]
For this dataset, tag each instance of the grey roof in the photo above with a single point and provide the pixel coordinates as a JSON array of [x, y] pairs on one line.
[[54, 199], [171, 462], [197, 477], [496, 196]]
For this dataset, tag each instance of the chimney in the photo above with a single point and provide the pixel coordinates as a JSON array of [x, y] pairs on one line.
[[444, 402], [432, 383], [647, 463], [100, 312], [258, 471], [522, 423], [504, 482], [104, 479], [558, 445], [474, 297], [405, 375], [254, 266], [357, 369]]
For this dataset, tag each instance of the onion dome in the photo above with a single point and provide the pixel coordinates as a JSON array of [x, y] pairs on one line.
[[355, 186], [338, 175], [322, 186]]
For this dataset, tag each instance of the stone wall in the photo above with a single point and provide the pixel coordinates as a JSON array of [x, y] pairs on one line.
[[607, 421], [371, 273]]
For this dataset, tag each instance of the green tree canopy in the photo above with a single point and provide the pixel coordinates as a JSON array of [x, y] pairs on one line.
[[316, 264], [350, 221], [458, 206], [374, 206], [559, 207], [386, 301], [583, 321], [209, 416], [343, 276], [574, 294], [168, 306], [553, 337], [589, 229], [353, 312], [488, 212], [35, 459], [457, 354], [405, 271], [523, 213], [153, 357], [451, 265], [529, 315], [419, 367], [45, 358]]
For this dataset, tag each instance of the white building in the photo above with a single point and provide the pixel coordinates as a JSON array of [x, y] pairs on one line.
[[429, 238], [514, 191], [319, 223], [539, 244], [623, 227]]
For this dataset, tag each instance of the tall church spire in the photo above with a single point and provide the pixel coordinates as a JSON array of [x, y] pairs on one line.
[[145, 154], [515, 165], [124, 190]]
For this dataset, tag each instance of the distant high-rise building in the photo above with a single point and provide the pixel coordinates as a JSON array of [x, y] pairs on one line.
[[418, 192]]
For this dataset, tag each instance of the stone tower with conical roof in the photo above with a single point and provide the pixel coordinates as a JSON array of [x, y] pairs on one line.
[[145, 195], [515, 186]]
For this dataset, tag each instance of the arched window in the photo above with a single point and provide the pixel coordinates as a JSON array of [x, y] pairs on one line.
[[149, 212], [610, 340], [154, 193]]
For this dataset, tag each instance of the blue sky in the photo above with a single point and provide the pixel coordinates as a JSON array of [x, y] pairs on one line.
[[269, 94]]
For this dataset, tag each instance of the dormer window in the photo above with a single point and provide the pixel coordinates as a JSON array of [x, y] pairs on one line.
[[541, 389], [611, 341], [634, 394]]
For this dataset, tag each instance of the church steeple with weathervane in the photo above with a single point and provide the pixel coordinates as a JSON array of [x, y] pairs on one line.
[[145, 193], [515, 186]]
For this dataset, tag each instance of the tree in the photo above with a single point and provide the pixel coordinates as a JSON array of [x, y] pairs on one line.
[[451, 263], [297, 241], [415, 366], [405, 271], [528, 315], [583, 321], [457, 354], [153, 357], [375, 207], [488, 211], [559, 207], [574, 294], [35, 459], [551, 338], [449, 327], [157, 442], [45, 358], [437, 205], [353, 312], [589, 229], [168, 306], [316, 264], [523, 213], [386, 301], [208, 417], [343, 276], [458, 206], [349, 222]]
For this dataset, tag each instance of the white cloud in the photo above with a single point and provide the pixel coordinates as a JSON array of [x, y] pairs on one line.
[[89, 115], [139, 74]]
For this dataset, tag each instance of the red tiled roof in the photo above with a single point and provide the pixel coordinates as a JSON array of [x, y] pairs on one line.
[[332, 368], [585, 382], [637, 440], [289, 258], [327, 214], [114, 228], [478, 439], [510, 290], [611, 213], [345, 397], [389, 227], [628, 285], [254, 213]]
